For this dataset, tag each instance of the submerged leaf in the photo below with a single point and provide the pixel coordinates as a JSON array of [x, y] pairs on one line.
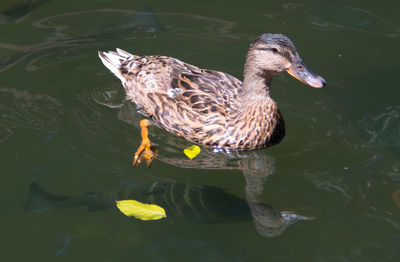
[[192, 152], [133, 208]]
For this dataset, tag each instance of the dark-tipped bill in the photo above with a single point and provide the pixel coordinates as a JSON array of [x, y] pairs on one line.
[[302, 73]]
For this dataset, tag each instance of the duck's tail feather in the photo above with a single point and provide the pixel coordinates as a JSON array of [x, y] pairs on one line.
[[114, 60], [124, 54]]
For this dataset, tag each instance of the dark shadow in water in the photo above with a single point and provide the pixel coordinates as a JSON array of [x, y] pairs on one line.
[[203, 204], [18, 9]]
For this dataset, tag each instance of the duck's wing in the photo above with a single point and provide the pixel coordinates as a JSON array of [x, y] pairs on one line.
[[191, 102], [206, 91]]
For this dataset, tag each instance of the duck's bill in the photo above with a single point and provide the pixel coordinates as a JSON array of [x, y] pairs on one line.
[[302, 73]]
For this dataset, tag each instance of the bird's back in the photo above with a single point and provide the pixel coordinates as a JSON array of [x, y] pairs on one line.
[[202, 106]]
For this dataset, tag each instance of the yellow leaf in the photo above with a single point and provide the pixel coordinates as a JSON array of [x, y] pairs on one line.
[[133, 208], [192, 152]]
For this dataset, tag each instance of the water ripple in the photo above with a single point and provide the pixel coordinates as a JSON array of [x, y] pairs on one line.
[[383, 128], [70, 33], [336, 18], [20, 109]]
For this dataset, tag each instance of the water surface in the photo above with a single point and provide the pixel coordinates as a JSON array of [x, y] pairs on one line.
[[64, 125]]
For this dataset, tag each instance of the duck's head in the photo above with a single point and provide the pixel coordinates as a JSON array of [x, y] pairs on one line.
[[275, 53]]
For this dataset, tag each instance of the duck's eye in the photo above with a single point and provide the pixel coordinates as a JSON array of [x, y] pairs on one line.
[[275, 50]]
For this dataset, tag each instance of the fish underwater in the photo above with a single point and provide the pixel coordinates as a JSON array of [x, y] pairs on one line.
[[204, 204], [146, 21], [18, 9]]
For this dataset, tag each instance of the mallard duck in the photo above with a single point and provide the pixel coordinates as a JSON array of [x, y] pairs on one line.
[[207, 107]]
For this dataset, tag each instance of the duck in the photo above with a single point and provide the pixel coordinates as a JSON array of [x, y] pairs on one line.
[[208, 107]]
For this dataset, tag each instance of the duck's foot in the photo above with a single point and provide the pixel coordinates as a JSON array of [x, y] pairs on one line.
[[145, 151]]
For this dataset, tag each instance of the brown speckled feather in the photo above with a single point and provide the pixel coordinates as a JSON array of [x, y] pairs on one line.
[[199, 105], [208, 107]]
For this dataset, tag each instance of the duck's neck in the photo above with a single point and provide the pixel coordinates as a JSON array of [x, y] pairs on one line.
[[256, 82]]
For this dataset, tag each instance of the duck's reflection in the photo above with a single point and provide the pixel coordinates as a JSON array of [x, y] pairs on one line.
[[268, 222], [256, 166]]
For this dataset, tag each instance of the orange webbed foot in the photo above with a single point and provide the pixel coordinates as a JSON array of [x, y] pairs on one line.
[[145, 151]]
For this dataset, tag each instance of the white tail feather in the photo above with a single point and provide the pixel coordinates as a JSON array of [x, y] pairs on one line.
[[113, 61], [123, 53]]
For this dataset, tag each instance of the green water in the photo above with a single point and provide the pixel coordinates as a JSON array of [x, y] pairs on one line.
[[64, 125]]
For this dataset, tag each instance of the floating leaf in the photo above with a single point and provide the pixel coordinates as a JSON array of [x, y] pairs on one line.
[[192, 152], [133, 208]]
